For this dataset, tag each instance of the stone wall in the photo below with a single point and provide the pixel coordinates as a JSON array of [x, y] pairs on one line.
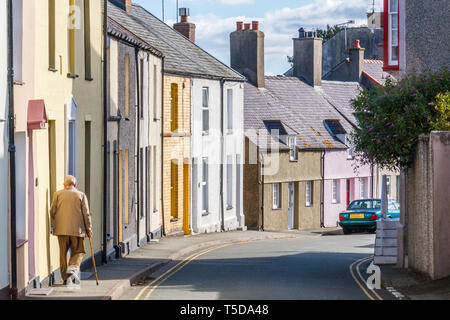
[[425, 208]]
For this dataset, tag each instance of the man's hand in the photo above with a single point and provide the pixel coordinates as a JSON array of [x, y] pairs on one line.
[[89, 234]]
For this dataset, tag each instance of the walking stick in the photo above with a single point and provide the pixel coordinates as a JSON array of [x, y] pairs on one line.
[[93, 259]]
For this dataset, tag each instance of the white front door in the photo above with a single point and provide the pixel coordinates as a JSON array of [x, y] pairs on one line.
[[291, 206]]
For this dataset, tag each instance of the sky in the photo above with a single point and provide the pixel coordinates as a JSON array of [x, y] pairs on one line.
[[279, 20]]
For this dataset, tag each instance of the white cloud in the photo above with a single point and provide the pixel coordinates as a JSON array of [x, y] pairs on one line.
[[279, 26]]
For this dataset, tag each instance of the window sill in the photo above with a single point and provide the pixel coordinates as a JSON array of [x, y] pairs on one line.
[[290, 160], [89, 79], [72, 75], [276, 209], [205, 133], [20, 243], [205, 213], [230, 208], [308, 205], [52, 69], [350, 158], [173, 220]]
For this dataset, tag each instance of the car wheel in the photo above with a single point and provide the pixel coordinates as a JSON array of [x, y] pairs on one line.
[[347, 230]]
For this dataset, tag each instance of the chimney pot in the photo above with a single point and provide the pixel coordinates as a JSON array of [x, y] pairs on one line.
[[247, 26], [184, 27], [356, 44], [239, 25], [255, 25]]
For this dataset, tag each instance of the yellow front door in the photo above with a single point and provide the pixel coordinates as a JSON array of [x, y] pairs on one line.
[[186, 226]]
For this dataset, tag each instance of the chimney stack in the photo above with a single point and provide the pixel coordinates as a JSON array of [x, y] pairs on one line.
[[356, 67], [308, 57], [247, 52], [127, 5], [184, 27]]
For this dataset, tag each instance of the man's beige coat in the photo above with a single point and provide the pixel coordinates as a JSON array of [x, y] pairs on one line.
[[69, 208]]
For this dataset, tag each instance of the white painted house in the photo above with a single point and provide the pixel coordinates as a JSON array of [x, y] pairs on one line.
[[217, 107], [4, 222]]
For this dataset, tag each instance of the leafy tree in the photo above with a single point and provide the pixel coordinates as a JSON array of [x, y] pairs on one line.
[[329, 32], [391, 118]]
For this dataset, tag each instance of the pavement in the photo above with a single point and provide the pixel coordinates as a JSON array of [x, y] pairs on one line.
[[414, 286], [117, 276]]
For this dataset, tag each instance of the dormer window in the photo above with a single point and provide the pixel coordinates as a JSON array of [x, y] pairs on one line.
[[292, 143]]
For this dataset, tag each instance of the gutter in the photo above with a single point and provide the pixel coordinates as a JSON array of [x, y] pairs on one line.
[[138, 146], [12, 156], [222, 147], [105, 129], [322, 192], [163, 231]]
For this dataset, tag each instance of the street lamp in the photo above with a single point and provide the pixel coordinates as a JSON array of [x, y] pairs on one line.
[[346, 24]]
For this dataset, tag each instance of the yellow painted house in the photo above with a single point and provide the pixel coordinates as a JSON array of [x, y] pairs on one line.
[[58, 103]]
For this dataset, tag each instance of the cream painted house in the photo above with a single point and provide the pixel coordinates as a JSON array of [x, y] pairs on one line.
[[58, 104]]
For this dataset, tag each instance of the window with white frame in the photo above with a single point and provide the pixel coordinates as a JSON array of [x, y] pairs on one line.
[[205, 110], [393, 32], [229, 182], [363, 186], [309, 193], [335, 191], [292, 143], [351, 147], [276, 196], [205, 183], [230, 111]]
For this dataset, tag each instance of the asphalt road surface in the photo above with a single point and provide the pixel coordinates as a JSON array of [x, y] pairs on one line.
[[327, 267]]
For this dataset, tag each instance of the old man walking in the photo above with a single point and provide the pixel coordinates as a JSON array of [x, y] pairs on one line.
[[71, 220]]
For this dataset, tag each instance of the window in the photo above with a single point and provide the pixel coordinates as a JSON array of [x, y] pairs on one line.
[[388, 186], [292, 142], [72, 14], [52, 156], [205, 182], [51, 36], [393, 32], [87, 158], [230, 110], [127, 85], [363, 188], [309, 193], [174, 107], [276, 196], [397, 189], [229, 182], [141, 88], [155, 187], [174, 189], [351, 147], [335, 191], [205, 115], [155, 92], [120, 194], [72, 137], [87, 39]]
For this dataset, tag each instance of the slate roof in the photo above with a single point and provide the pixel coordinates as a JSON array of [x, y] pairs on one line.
[[374, 68], [120, 32], [301, 109], [182, 57]]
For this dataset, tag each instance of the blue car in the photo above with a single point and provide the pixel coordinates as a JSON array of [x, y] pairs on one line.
[[364, 214]]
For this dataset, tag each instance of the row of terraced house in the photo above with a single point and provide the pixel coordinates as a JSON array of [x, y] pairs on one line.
[[165, 139]]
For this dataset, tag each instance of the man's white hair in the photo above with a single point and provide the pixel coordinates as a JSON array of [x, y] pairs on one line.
[[70, 181]]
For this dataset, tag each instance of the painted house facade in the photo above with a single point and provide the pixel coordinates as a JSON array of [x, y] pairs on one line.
[[58, 98], [134, 143], [4, 192], [198, 90]]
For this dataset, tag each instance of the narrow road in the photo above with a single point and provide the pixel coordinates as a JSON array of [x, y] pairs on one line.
[[328, 267]]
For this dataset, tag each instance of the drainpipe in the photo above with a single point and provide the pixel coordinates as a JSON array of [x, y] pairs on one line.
[[105, 127], [12, 156], [222, 81], [163, 231], [322, 192], [261, 161], [138, 144]]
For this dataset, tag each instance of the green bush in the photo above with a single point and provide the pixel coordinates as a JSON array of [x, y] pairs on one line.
[[392, 117]]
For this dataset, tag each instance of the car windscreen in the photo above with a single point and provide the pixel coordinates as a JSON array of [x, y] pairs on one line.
[[365, 204]]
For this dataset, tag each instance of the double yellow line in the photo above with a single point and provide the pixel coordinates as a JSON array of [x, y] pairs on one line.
[[169, 273], [361, 281]]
